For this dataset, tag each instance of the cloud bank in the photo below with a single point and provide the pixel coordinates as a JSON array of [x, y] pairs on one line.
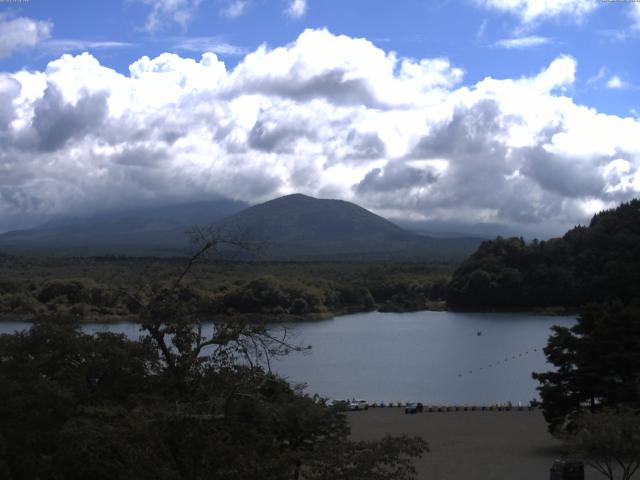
[[21, 33], [327, 115]]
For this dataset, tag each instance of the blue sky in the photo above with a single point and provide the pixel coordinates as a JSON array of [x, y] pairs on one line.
[[543, 169], [467, 33]]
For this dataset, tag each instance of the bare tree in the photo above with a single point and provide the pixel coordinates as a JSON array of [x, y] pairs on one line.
[[184, 335]]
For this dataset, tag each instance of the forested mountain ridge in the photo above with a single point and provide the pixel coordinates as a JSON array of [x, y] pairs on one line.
[[595, 263]]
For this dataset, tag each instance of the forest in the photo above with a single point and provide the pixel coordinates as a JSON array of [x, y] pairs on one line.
[[96, 289], [595, 263]]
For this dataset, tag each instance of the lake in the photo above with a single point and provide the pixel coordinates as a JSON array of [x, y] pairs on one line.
[[431, 357]]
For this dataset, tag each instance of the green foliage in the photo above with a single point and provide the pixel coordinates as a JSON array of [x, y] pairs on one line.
[[597, 365], [79, 406], [47, 374], [589, 264], [181, 403], [608, 441], [98, 289]]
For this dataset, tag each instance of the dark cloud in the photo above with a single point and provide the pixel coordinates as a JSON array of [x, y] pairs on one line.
[[365, 146], [472, 131], [248, 185], [477, 159], [480, 179], [56, 121], [333, 86], [9, 90], [395, 178], [274, 138], [139, 156], [565, 176]]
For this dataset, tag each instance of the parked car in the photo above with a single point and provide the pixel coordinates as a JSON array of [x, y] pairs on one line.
[[414, 408], [358, 405]]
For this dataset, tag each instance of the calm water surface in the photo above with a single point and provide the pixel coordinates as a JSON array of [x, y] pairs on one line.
[[433, 357]]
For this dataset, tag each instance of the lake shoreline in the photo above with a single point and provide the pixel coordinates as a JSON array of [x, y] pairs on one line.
[[437, 358], [271, 318]]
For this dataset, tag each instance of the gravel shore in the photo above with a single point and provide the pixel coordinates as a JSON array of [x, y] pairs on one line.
[[477, 445]]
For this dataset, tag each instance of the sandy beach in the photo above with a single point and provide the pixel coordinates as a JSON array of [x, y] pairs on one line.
[[477, 445]]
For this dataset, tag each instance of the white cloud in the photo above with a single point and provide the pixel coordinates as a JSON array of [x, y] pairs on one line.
[[343, 70], [207, 44], [235, 8], [482, 29], [296, 8], [598, 76], [60, 46], [165, 12], [20, 33], [635, 15], [326, 115], [534, 10], [522, 42], [615, 82]]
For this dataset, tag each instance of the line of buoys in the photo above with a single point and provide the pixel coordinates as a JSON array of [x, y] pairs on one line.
[[515, 356]]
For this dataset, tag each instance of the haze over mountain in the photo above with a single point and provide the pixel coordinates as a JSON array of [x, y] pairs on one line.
[[294, 227], [145, 232]]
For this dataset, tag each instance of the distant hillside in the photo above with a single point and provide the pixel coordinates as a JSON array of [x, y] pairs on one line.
[[143, 232], [589, 264], [305, 228], [295, 227]]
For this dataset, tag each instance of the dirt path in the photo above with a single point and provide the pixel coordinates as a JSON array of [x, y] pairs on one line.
[[477, 445]]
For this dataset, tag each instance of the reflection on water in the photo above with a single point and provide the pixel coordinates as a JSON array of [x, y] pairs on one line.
[[433, 357]]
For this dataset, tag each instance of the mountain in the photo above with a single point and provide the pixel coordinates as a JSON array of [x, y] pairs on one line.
[[149, 231], [300, 227], [295, 227]]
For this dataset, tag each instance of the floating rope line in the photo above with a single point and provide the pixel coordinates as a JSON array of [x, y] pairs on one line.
[[506, 359]]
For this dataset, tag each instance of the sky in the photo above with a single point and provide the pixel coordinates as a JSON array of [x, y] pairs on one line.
[[523, 114]]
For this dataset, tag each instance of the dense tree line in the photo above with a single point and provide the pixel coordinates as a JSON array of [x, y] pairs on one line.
[[97, 290], [597, 263]]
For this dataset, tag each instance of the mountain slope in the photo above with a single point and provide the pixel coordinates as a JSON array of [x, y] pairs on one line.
[[148, 231], [292, 228], [298, 227]]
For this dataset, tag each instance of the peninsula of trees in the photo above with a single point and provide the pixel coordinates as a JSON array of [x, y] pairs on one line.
[[595, 263]]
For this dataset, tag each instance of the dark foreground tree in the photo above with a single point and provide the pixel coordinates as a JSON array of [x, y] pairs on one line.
[[608, 441], [597, 365], [185, 401]]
